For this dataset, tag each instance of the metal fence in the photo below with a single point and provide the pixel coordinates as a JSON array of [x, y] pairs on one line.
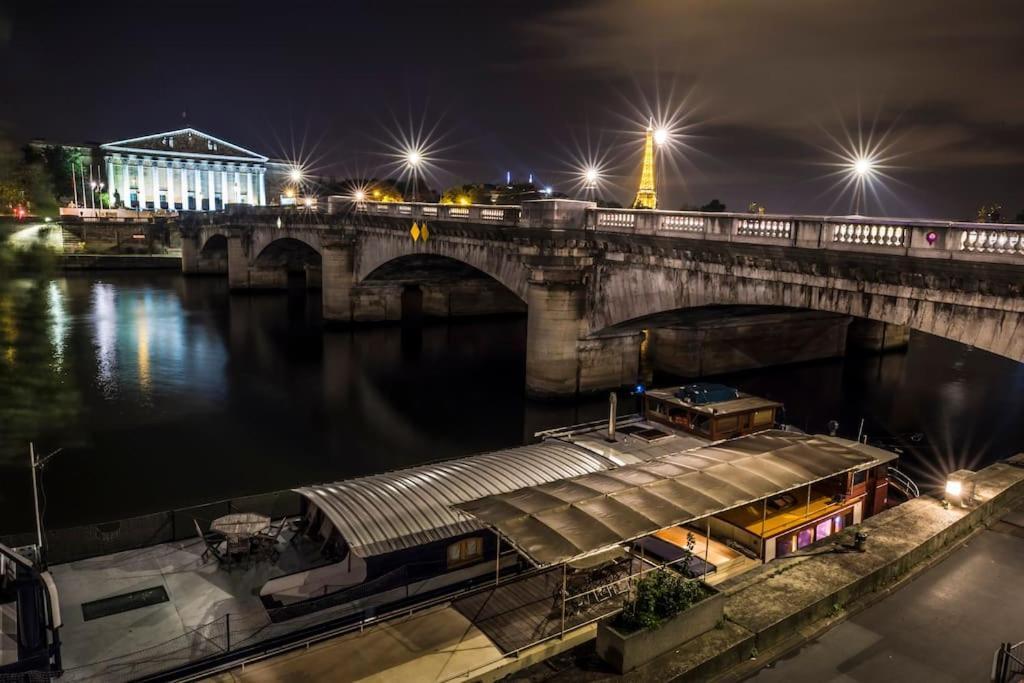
[[93, 540]]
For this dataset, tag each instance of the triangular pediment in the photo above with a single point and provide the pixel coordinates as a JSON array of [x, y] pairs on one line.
[[184, 142]]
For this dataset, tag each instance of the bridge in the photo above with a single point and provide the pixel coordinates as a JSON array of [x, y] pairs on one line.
[[588, 276]]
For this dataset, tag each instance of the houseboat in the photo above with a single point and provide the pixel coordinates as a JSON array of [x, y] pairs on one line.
[[702, 472]]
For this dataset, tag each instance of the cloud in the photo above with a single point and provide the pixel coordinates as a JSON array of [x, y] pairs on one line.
[[790, 63]]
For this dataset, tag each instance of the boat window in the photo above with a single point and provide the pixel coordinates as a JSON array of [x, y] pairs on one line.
[[823, 529], [860, 477], [464, 551], [763, 417], [784, 545], [804, 537]]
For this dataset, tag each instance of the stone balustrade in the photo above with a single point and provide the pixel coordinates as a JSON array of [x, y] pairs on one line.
[[918, 238]]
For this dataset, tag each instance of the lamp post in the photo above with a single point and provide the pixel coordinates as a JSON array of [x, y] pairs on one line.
[[862, 168], [591, 177], [413, 161]]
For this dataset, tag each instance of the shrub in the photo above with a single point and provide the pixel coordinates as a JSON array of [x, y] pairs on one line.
[[659, 596]]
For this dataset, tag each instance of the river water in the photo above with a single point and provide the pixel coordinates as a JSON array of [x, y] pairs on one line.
[[164, 392]]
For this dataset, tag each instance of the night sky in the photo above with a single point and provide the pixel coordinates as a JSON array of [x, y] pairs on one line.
[[766, 91]]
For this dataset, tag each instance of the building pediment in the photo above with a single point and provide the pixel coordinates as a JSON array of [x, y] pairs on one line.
[[187, 142]]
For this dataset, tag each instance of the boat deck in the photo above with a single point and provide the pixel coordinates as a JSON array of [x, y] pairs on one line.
[[525, 610], [191, 623]]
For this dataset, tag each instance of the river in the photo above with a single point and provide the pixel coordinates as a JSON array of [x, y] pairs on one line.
[[164, 392]]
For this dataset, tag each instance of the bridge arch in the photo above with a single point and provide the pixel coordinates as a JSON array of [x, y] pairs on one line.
[[287, 252], [627, 294], [214, 243], [499, 263]]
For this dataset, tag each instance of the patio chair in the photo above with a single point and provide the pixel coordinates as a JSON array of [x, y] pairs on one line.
[[266, 540], [212, 540]]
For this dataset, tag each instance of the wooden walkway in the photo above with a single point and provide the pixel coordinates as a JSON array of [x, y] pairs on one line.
[[526, 610]]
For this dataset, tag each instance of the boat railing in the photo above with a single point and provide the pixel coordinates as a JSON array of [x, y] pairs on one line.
[[903, 483], [571, 430]]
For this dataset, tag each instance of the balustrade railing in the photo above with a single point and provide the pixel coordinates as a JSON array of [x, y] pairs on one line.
[[862, 233], [931, 238], [992, 240], [764, 227]]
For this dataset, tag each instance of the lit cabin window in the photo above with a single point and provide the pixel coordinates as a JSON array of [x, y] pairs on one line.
[[464, 551], [763, 417]]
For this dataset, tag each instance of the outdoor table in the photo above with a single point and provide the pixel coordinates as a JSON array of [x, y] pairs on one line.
[[240, 525]]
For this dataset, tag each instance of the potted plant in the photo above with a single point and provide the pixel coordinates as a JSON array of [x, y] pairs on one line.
[[666, 610]]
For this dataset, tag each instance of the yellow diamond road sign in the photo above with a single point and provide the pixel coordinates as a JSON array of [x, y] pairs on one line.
[[415, 231], [423, 232]]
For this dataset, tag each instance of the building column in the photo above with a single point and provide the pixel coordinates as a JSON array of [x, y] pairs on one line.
[[199, 190], [556, 303], [142, 185], [237, 189], [262, 187], [248, 188], [184, 188], [110, 181], [224, 194], [170, 186], [338, 280], [212, 191], [155, 175], [126, 182]]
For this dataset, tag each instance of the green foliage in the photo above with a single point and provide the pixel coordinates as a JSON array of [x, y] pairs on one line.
[[713, 205], [659, 596], [467, 194]]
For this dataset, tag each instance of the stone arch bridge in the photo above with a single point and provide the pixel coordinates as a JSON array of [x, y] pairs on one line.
[[587, 275]]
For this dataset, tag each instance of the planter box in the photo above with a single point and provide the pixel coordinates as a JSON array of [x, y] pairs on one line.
[[627, 651]]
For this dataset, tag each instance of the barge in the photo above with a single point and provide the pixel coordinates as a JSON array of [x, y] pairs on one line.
[[703, 480]]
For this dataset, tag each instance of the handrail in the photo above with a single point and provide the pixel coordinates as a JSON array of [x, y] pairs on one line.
[[903, 483]]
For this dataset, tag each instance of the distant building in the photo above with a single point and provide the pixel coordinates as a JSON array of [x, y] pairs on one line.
[[183, 170]]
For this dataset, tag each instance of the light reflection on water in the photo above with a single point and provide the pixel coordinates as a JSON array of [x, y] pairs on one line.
[[166, 392]]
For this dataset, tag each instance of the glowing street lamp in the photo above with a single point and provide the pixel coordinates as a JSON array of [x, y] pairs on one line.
[[591, 176], [359, 196], [863, 166], [413, 158], [661, 136], [295, 174]]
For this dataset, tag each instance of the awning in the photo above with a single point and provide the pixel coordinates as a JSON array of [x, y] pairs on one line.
[[563, 521], [402, 509]]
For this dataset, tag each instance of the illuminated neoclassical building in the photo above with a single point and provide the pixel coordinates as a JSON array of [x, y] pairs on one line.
[[183, 170]]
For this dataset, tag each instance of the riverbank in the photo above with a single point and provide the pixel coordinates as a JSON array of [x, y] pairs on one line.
[[119, 261], [786, 604]]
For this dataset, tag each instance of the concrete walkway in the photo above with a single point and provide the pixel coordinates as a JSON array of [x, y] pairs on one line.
[[943, 626], [432, 646]]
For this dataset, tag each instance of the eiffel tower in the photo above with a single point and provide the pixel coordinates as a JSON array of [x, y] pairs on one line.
[[646, 197]]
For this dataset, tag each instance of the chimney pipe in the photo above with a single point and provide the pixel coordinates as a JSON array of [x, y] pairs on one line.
[[613, 405]]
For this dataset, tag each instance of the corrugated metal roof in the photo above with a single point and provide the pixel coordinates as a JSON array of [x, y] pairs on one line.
[[564, 520], [402, 509]]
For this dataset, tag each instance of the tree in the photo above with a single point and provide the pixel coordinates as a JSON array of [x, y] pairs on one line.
[[473, 193], [713, 205], [989, 213]]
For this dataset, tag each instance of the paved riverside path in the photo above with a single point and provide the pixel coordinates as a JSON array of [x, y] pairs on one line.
[[943, 626]]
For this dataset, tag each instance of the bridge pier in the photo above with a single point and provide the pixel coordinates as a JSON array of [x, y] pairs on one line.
[[872, 335], [559, 361], [745, 341], [194, 261], [338, 280]]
